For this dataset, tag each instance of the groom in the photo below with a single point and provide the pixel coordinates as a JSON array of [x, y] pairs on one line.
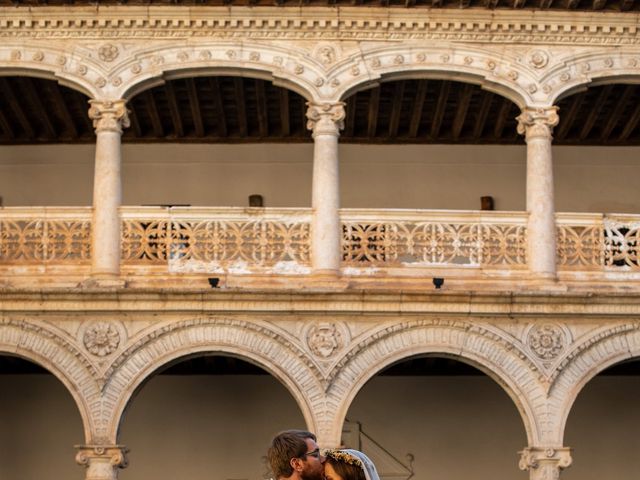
[[294, 455]]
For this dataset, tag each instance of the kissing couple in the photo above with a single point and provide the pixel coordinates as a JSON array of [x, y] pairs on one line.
[[295, 455]]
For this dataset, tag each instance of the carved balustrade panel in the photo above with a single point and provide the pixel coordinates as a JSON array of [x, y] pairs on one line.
[[207, 239], [45, 236], [596, 242], [433, 239]]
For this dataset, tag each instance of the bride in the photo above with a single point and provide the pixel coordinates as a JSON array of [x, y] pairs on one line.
[[348, 464]]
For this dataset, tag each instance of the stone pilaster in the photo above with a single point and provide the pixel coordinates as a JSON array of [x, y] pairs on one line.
[[537, 126], [326, 120], [102, 461], [109, 118], [545, 463]]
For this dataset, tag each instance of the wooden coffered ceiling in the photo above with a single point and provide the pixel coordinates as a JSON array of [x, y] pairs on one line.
[[574, 5], [244, 110]]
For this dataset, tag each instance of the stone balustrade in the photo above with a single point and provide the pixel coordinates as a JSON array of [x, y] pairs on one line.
[[236, 241]]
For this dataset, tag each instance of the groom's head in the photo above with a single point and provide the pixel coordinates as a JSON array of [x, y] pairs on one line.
[[294, 454]]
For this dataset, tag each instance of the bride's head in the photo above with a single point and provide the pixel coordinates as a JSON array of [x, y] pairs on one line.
[[348, 465]]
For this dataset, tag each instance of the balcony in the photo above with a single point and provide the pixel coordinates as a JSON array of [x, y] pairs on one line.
[[49, 245]]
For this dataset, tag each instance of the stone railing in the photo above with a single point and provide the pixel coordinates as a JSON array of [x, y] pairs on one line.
[[598, 242], [190, 240], [217, 240], [45, 236], [437, 238]]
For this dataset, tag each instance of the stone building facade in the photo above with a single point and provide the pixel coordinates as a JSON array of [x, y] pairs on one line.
[[322, 298]]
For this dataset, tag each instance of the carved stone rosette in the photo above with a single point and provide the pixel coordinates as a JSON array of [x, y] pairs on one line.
[[102, 461], [537, 122], [545, 463], [325, 118], [109, 115]]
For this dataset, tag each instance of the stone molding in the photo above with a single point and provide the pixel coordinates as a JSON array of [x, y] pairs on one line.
[[545, 463], [337, 23]]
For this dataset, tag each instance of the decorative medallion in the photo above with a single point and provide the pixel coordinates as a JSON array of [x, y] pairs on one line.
[[586, 67], [116, 82], [421, 57], [547, 341], [299, 69], [108, 52], [16, 55], [326, 55], [205, 55], [547, 88], [183, 56], [82, 69], [61, 60], [324, 339], [38, 56], [319, 82], [231, 54], [513, 75], [157, 60], [565, 77], [278, 60], [254, 56], [136, 68], [468, 60], [101, 339], [445, 58], [398, 60], [375, 63], [100, 82], [335, 83], [608, 62], [491, 65], [533, 88], [538, 59], [355, 71], [632, 62]]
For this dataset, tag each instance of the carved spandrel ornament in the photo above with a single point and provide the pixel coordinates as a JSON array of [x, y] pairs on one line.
[[108, 52], [547, 341], [325, 339], [102, 338]]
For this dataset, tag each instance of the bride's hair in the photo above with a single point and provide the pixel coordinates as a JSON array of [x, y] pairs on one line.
[[347, 471]]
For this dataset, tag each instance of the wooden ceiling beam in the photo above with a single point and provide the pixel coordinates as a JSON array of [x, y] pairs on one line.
[[595, 111], [491, 4], [374, 105], [418, 105], [501, 121], [464, 3], [6, 127], [194, 104], [63, 110], [519, 3], [218, 107], [441, 106], [573, 4], [174, 110], [241, 106], [12, 100], [566, 120], [615, 116], [546, 4], [481, 119], [409, 3], [350, 111], [154, 116], [631, 125], [599, 4], [285, 124], [263, 118], [626, 5], [461, 112], [34, 99], [396, 108]]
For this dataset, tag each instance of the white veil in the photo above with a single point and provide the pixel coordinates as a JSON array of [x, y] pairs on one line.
[[370, 471]]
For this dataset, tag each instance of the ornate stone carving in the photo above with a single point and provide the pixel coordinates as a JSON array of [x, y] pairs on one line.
[[101, 339], [545, 463], [513, 75], [100, 82], [565, 77], [182, 56], [109, 115], [61, 60], [325, 118], [547, 341], [608, 62], [102, 461], [421, 57], [254, 56], [16, 55], [468, 60], [324, 340], [299, 69], [82, 70], [491, 65], [108, 52], [538, 59], [536, 122], [205, 55], [38, 56], [375, 63], [326, 54], [398, 60], [445, 58], [157, 60], [136, 68]]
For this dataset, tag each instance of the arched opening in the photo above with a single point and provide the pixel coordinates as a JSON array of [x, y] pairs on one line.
[[206, 417], [602, 427], [420, 416], [431, 144], [39, 423]]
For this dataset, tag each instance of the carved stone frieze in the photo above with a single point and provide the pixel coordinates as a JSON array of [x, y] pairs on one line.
[[108, 52], [101, 338], [326, 339], [546, 341]]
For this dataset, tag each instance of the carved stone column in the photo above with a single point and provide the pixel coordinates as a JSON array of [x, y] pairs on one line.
[[326, 121], [537, 125], [102, 461], [545, 463], [109, 118]]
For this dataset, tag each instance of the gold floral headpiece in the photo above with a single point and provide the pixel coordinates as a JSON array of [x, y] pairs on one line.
[[344, 457]]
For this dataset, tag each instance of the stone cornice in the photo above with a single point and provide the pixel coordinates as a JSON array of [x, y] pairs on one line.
[[322, 23], [204, 302]]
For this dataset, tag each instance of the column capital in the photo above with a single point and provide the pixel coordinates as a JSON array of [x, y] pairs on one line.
[[109, 115], [325, 118], [102, 461], [537, 122], [545, 463]]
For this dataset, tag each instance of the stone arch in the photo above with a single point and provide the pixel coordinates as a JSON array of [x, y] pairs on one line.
[[578, 72], [483, 347], [73, 70], [503, 76], [600, 350], [256, 342], [285, 67], [48, 348]]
